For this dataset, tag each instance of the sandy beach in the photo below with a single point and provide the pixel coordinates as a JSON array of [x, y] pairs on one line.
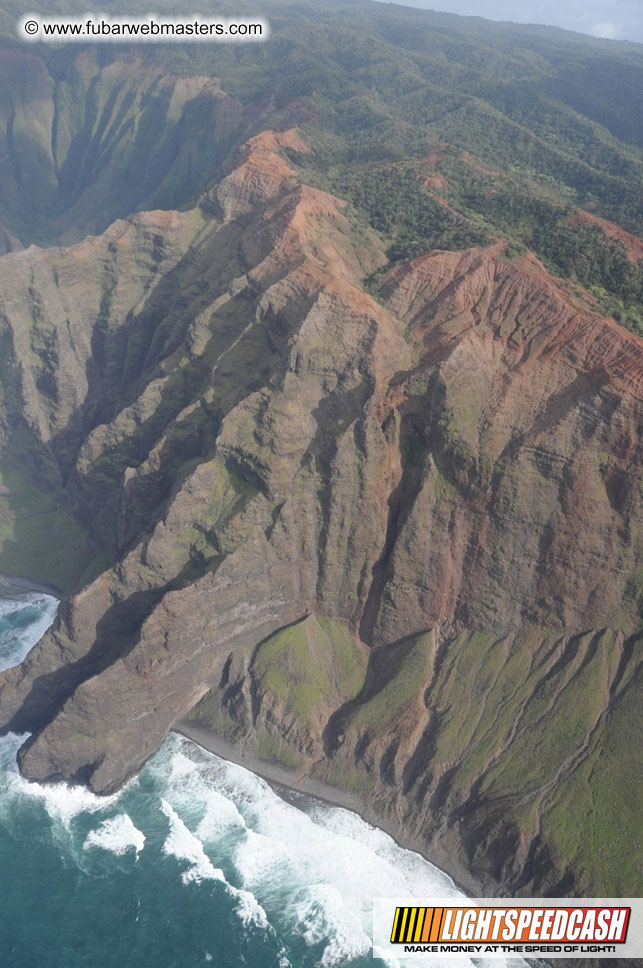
[[282, 778], [28, 584], [272, 772]]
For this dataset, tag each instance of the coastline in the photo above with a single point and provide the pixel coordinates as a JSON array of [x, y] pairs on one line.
[[273, 773], [280, 777], [28, 584], [284, 779]]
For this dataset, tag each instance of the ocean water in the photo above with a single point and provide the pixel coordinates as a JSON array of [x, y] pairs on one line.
[[195, 862]]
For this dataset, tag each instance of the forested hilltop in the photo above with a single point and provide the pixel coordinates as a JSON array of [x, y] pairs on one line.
[[495, 131]]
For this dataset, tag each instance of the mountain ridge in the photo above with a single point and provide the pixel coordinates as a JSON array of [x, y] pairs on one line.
[[355, 484], [365, 503]]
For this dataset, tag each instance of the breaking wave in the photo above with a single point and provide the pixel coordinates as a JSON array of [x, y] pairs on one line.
[[117, 834], [183, 845], [195, 849], [24, 619]]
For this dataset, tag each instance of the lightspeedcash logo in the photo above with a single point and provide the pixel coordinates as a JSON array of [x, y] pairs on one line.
[[555, 927]]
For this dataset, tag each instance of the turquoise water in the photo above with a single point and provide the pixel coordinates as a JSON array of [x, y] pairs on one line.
[[197, 861]]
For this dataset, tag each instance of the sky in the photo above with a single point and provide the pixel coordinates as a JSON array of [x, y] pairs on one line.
[[613, 19]]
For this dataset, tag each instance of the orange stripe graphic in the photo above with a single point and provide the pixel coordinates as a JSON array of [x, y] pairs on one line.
[[428, 921], [436, 931]]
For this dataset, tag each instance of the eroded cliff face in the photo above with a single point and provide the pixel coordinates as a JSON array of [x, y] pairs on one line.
[[87, 138], [394, 542]]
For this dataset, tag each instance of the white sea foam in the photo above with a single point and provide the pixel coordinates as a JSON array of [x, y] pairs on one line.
[[14, 599], [116, 834], [62, 801], [221, 817], [190, 787], [322, 916], [263, 861], [388, 868], [288, 859], [182, 844], [26, 619], [9, 746], [285, 850], [288, 846], [9, 607], [249, 792], [181, 766], [249, 910]]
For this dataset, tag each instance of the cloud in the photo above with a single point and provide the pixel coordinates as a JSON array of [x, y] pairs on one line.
[[607, 30], [609, 19]]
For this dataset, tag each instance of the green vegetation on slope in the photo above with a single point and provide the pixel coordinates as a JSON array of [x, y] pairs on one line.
[[213, 534], [373, 83], [298, 677], [544, 728], [379, 90], [41, 542], [405, 681], [310, 666], [601, 835], [536, 216], [400, 209], [476, 206], [538, 727]]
